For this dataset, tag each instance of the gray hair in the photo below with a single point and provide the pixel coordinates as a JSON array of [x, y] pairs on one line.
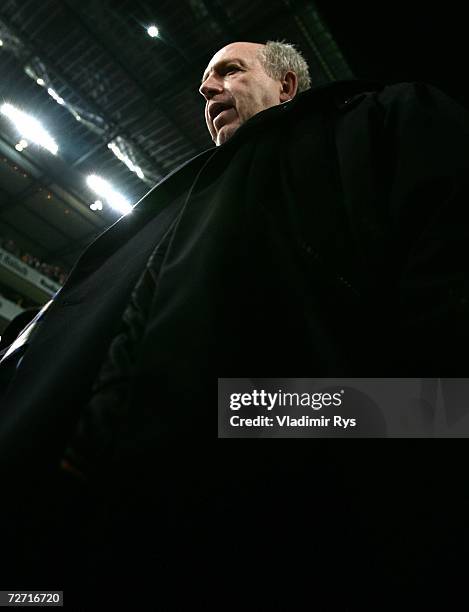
[[278, 57]]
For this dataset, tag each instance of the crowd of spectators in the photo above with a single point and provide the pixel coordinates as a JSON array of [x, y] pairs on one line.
[[55, 273]]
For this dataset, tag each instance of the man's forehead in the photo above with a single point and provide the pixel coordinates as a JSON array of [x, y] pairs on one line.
[[240, 50]]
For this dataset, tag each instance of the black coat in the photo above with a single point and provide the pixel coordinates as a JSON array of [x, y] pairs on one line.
[[328, 237]]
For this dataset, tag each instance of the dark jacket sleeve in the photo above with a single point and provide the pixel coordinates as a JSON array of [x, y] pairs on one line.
[[426, 168]]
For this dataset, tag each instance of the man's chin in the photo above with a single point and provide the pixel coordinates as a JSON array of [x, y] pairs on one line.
[[225, 133]]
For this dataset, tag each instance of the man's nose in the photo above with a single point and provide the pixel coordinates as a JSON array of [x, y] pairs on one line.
[[211, 87]]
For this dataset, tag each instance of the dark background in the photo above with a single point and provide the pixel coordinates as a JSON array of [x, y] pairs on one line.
[[403, 41]]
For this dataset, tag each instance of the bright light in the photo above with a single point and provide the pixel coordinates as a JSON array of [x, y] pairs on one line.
[[126, 160], [21, 145], [75, 114], [112, 197], [97, 205], [152, 31], [40, 82], [30, 128], [1, 42], [55, 95]]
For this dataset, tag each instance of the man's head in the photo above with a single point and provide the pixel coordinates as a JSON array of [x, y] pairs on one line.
[[243, 79]]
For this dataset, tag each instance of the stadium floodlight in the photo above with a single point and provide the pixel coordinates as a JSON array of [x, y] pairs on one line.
[[55, 95], [40, 82], [106, 191], [97, 205], [22, 144], [126, 160], [29, 127], [152, 31], [1, 42]]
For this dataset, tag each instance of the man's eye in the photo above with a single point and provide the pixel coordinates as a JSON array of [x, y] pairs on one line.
[[230, 69]]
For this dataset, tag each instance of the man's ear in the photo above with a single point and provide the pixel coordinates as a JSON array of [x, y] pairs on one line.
[[289, 86]]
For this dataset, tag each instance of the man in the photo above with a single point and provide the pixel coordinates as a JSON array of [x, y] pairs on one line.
[[324, 235]]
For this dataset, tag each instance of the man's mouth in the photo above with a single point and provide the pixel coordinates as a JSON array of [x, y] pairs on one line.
[[221, 117], [216, 109]]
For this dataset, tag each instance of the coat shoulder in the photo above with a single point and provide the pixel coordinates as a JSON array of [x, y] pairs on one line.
[[347, 94]]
